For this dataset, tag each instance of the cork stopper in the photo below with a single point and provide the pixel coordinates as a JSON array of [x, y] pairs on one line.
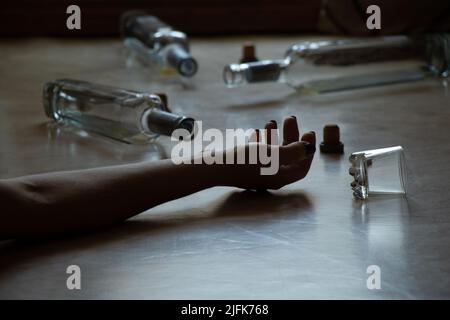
[[331, 140], [331, 134], [248, 53]]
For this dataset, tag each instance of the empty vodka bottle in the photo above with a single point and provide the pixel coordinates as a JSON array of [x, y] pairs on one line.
[[155, 42], [314, 67], [124, 115]]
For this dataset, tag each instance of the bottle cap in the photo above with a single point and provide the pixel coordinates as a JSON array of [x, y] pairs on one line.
[[180, 59], [165, 123], [331, 140]]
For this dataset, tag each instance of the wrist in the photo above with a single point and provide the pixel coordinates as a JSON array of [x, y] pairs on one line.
[[213, 169]]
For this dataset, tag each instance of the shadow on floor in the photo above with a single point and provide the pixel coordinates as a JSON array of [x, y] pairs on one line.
[[259, 207]]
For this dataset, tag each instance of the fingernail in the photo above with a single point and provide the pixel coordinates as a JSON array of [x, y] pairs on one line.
[[309, 148], [294, 117], [273, 121], [313, 132]]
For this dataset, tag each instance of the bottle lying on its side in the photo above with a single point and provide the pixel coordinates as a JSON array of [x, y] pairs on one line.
[[124, 115], [314, 67], [155, 42]]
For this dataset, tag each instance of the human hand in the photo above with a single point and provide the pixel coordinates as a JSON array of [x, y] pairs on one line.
[[295, 157]]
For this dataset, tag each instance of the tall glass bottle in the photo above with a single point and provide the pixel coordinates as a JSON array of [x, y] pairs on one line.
[[155, 42], [124, 115], [314, 67]]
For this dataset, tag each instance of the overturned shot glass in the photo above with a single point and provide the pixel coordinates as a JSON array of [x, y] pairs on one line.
[[378, 171]]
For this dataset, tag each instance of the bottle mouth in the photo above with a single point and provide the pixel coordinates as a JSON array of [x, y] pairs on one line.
[[188, 67], [187, 124], [178, 57]]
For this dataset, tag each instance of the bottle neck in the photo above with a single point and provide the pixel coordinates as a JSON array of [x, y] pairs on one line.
[[137, 50], [235, 75], [179, 58]]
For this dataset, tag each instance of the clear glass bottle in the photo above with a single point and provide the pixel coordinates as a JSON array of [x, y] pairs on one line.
[[124, 115], [314, 67], [155, 42]]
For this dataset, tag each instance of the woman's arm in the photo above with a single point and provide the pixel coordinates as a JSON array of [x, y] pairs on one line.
[[87, 199], [63, 202]]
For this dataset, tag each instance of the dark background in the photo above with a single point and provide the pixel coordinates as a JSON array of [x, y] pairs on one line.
[[215, 17], [101, 17]]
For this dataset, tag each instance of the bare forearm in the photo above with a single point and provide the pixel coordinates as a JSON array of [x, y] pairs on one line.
[[64, 202], [86, 199]]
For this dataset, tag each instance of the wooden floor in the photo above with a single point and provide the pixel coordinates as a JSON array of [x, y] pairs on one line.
[[308, 240]]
